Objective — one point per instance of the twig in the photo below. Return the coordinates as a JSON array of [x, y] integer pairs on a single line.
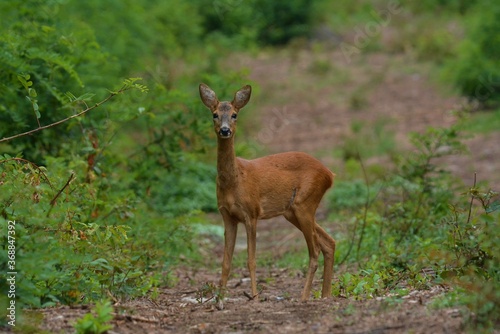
[[367, 205], [249, 296], [356, 223], [40, 128], [53, 201], [33, 164], [134, 318], [471, 199]]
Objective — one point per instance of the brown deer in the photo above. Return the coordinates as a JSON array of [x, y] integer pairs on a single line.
[[289, 184]]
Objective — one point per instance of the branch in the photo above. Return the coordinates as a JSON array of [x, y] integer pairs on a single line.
[[113, 94], [32, 164], [53, 201]]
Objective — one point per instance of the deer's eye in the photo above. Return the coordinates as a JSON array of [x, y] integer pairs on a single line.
[[234, 116], [215, 116]]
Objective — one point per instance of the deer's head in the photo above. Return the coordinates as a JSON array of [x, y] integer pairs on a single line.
[[225, 113]]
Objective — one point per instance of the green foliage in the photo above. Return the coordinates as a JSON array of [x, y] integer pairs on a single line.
[[342, 15], [472, 256], [411, 230], [210, 292], [142, 31], [469, 233], [460, 6], [257, 21], [39, 62], [78, 241], [402, 206], [103, 202], [348, 195], [475, 70], [484, 123], [98, 322], [475, 280], [367, 141], [428, 39], [284, 20], [370, 283]]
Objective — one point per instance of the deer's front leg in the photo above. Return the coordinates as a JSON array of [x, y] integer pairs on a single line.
[[251, 227], [230, 231]]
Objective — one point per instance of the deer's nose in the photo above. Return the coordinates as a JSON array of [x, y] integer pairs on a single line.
[[225, 131]]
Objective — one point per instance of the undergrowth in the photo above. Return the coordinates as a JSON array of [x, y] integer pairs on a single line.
[[416, 227], [77, 242]]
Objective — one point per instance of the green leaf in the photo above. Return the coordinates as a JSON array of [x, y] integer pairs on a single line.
[[32, 92], [24, 79], [85, 97], [493, 207], [101, 263], [36, 109], [71, 96]]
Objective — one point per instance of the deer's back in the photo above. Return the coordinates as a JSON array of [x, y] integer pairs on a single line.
[[281, 180]]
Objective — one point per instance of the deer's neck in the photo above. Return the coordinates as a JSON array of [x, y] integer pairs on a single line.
[[227, 170]]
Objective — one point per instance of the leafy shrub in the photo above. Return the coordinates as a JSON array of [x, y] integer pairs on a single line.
[[80, 242], [264, 22], [38, 65], [281, 21], [50, 227], [103, 203], [476, 68], [430, 40], [473, 259], [98, 323], [348, 195], [367, 141], [460, 6], [412, 229], [143, 31], [401, 206]]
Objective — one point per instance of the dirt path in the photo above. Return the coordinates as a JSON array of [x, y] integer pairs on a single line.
[[177, 310]]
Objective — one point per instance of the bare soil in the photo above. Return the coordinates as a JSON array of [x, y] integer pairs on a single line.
[[177, 310], [307, 101]]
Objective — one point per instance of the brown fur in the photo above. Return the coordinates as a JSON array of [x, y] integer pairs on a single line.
[[290, 184]]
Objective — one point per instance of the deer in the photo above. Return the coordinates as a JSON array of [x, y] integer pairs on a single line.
[[289, 184]]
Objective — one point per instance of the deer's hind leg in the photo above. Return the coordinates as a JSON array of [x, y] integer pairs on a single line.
[[306, 223], [327, 245]]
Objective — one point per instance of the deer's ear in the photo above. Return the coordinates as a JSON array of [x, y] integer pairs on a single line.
[[241, 97], [208, 97]]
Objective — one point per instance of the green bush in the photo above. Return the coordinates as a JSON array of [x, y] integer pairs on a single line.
[[98, 323], [414, 226], [78, 241], [257, 21], [470, 258], [40, 61], [475, 70], [101, 202], [426, 6]]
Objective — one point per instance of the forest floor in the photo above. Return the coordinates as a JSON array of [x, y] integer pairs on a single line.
[[278, 310], [308, 101]]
